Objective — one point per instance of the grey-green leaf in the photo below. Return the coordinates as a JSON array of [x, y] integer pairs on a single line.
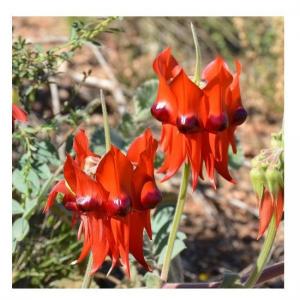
[[18, 181], [16, 208], [20, 229], [179, 246]]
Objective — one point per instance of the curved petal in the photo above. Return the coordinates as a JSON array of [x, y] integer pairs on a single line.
[[166, 68], [81, 148], [136, 229], [190, 105], [173, 144], [115, 172], [60, 187], [18, 113], [265, 213], [218, 79]]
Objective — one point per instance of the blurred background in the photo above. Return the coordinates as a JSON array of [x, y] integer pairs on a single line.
[[220, 225]]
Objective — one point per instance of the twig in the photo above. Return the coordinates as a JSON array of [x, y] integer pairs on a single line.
[[269, 273], [93, 81], [116, 90], [56, 110]]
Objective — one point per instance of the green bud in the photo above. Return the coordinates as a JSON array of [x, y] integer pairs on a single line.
[[258, 180], [277, 140], [274, 180]]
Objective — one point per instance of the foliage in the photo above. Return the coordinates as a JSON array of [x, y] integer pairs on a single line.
[[33, 67]]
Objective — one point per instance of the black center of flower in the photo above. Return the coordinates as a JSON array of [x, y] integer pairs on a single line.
[[188, 124], [151, 199], [217, 123], [119, 206], [239, 116], [160, 112], [87, 203]]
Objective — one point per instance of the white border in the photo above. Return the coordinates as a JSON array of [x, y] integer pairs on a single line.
[[288, 9]]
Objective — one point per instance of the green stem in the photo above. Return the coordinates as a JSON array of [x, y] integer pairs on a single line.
[[197, 74], [87, 280], [176, 221], [264, 254]]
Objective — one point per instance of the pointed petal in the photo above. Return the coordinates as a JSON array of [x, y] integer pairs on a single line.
[[59, 187], [81, 148], [137, 225]]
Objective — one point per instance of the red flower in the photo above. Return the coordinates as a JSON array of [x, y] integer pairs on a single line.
[[18, 114], [111, 196], [267, 207], [198, 123]]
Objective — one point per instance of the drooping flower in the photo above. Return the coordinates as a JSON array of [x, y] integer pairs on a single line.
[[106, 195], [198, 122], [267, 178]]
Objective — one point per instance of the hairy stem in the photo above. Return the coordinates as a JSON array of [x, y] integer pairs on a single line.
[[176, 221], [264, 254], [87, 280]]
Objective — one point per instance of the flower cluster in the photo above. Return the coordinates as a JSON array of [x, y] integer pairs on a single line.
[[267, 177], [112, 197], [198, 121]]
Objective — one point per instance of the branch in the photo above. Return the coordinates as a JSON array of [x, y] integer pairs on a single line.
[[116, 90], [270, 272]]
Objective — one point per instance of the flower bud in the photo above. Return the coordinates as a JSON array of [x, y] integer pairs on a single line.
[[274, 181], [258, 180]]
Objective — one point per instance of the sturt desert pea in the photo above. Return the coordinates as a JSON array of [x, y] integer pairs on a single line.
[[198, 122], [108, 195], [267, 177]]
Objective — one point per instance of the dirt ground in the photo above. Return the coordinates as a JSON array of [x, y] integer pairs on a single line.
[[221, 224]]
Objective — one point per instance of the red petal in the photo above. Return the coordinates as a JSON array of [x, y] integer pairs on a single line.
[[137, 225], [60, 187], [81, 148], [279, 206], [190, 104], [265, 213], [115, 172], [174, 146], [166, 68], [120, 230], [18, 114], [69, 173]]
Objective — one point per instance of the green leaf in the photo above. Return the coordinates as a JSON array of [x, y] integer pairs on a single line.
[[47, 153], [231, 280], [179, 246], [236, 160], [152, 281], [43, 171], [20, 229], [18, 181], [29, 206], [145, 95], [34, 181], [16, 208]]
